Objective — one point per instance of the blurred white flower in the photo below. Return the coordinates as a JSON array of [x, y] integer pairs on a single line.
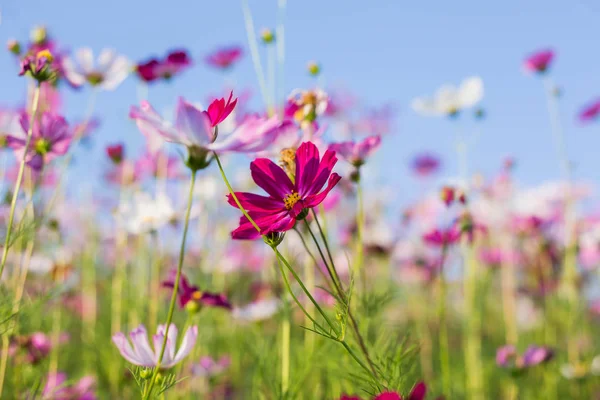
[[143, 213], [256, 311], [449, 100], [111, 70]]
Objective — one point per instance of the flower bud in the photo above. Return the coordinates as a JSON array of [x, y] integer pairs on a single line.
[[192, 306], [274, 239], [267, 35], [115, 152], [447, 195], [38, 34], [313, 68], [14, 47], [146, 374]]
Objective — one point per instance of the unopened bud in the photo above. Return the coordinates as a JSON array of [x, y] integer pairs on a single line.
[[267, 35], [313, 68], [14, 47], [447, 195], [38, 34]]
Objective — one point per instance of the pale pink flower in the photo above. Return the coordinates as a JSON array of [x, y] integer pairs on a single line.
[[356, 153], [539, 61], [111, 70]]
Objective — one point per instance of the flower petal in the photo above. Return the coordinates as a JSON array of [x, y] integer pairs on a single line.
[[271, 178]]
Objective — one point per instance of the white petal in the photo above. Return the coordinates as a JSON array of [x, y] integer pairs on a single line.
[[72, 72], [187, 344], [105, 60], [85, 58], [116, 73], [470, 92], [120, 340]]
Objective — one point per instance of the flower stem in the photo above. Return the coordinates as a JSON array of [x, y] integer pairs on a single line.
[[252, 43], [175, 286], [360, 227], [443, 329], [13, 203]]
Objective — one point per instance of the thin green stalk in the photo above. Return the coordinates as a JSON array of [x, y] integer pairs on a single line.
[[360, 227], [285, 355], [314, 259], [443, 329], [252, 43], [13, 203], [175, 286], [332, 273]]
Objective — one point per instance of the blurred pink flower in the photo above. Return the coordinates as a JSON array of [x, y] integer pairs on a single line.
[[539, 61], [208, 367], [442, 238], [57, 388], [141, 354], [590, 112], [50, 138], [189, 293], [425, 164], [158, 165], [175, 62], [116, 152], [356, 153], [225, 57]]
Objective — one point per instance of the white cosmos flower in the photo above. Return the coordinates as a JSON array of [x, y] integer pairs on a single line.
[[111, 69], [143, 213], [448, 99], [256, 311]]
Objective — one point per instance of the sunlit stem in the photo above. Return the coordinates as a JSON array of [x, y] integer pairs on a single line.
[[360, 227], [154, 282], [253, 44], [285, 354], [175, 286], [15, 195], [280, 45], [335, 277], [443, 328], [271, 76]]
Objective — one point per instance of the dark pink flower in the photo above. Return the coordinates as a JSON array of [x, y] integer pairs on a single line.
[[425, 164], [507, 356], [218, 110], [148, 71], [356, 152], [441, 238], [539, 61], [287, 199], [153, 69], [58, 388], [225, 57], [590, 112], [189, 293], [115, 152], [417, 393], [50, 138]]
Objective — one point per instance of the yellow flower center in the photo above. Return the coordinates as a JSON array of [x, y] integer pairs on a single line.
[[197, 295], [46, 54], [291, 199]]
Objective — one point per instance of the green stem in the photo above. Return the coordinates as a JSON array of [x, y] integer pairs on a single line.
[[360, 227], [175, 286], [13, 203], [443, 333]]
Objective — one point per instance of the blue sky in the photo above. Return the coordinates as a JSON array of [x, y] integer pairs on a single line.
[[385, 51]]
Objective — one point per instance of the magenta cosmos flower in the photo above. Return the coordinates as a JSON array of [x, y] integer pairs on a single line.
[[218, 110], [425, 164], [442, 238], [225, 57], [288, 198], [357, 152], [590, 112], [175, 62], [417, 393], [539, 61], [192, 294], [50, 138], [507, 356], [143, 355]]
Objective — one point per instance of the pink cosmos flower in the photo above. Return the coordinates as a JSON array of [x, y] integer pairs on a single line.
[[218, 110], [590, 112], [287, 200], [57, 388], [50, 138], [44, 178], [158, 165], [175, 62], [425, 165], [441, 238], [356, 152], [417, 393], [539, 61], [188, 293], [193, 128], [225, 57], [141, 354], [507, 356], [209, 367]]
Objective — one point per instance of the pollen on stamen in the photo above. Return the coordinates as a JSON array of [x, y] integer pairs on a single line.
[[291, 199]]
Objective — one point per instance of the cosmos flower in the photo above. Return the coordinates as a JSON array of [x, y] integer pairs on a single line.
[[192, 294], [539, 61], [441, 238], [50, 138], [59, 388], [208, 367], [450, 100], [143, 213], [256, 311], [175, 62], [590, 112], [507, 356], [225, 57], [288, 199], [115, 152], [141, 354], [218, 110], [112, 69], [306, 105], [356, 152], [39, 66], [417, 393], [425, 164]]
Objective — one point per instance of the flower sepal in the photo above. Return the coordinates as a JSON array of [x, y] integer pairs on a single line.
[[197, 158], [274, 239], [303, 214]]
